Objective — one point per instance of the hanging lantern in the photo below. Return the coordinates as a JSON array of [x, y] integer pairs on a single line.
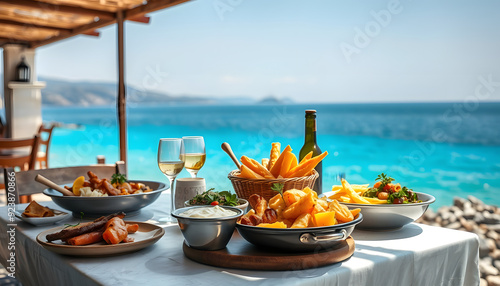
[[23, 71]]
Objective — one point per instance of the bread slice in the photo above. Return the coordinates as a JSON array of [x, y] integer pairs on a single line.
[[36, 210]]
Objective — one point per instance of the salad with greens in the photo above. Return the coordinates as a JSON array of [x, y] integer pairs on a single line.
[[211, 197], [384, 189]]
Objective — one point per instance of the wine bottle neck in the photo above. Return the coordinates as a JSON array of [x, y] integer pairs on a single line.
[[310, 133]]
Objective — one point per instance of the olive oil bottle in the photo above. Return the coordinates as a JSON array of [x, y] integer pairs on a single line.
[[310, 144]]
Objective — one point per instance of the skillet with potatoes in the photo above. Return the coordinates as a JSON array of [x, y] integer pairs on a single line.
[[298, 221], [296, 209]]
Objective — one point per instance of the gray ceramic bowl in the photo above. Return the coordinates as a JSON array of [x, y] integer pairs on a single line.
[[243, 204], [391, 216], [97, 206], [207, 233], [298, 239]]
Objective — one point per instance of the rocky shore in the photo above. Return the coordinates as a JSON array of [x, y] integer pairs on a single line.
[[473, 215]]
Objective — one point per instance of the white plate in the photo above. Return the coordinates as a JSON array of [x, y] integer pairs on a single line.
[[147, 235], [58, 216]]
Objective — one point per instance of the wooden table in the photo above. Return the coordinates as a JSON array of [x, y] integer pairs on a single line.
[[414, 255]]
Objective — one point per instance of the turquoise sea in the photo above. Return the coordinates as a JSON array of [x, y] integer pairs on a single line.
[[444, 149]]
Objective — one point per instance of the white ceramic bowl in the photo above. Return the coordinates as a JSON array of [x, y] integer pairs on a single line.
[[207, 233], [391, 216]]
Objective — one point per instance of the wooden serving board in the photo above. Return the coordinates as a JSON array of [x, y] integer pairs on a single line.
[[241, 254]]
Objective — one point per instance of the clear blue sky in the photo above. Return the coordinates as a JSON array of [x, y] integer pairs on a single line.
[[310, 51]]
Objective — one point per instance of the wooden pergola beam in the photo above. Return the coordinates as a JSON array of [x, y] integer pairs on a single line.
[[35, 23], [80, 30], [151, 6], [141, 19], [92, 33], [4, 41], [21, 24], [60, 8]]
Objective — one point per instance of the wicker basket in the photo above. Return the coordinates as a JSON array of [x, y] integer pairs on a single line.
[[246, 187]]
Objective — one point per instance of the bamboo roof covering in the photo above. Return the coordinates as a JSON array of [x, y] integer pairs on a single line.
[[35, 23]]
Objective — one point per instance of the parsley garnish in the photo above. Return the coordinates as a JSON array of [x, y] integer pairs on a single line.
[[66, 225], [118, 178], [384, 180], [278, 187], [231, 199]]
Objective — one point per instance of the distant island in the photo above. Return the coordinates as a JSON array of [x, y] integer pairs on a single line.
[[271, 99], [83, 93]]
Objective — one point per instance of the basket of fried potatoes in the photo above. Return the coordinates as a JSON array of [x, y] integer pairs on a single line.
[[282, 167]]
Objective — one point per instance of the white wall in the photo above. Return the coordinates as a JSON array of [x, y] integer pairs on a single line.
[[22, 101]]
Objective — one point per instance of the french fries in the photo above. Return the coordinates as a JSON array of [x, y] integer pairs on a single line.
[[286, 165], [304, 205], [275, 154], [248, 173], [256, 167], [302, 221], [292, 196], [306, 166], [265, 162], [280, 164], [354, 196], [296, 209], [348, 193], [275, 170], [342, 213]]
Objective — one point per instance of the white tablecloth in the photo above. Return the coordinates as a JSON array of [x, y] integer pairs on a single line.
[[414, 255]]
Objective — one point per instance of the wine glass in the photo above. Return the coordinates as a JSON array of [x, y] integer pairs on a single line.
[[194, 156], [171, 163]]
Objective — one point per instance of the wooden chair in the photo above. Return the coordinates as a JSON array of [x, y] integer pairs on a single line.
[[23, 183], [20, 153], [45, 134]]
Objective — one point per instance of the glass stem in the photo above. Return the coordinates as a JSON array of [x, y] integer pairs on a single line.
[[172, 194]]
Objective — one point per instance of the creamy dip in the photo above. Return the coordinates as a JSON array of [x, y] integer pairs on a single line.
[[208, 212]]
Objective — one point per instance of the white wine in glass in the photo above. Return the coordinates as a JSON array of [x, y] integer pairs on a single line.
[[194, 161], [194, 156], [170, 162], [172, 168]]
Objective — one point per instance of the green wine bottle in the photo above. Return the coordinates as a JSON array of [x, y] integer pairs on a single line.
[[310, 144]]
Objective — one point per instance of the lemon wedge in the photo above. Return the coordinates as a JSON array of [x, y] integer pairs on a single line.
[[77, 185]]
